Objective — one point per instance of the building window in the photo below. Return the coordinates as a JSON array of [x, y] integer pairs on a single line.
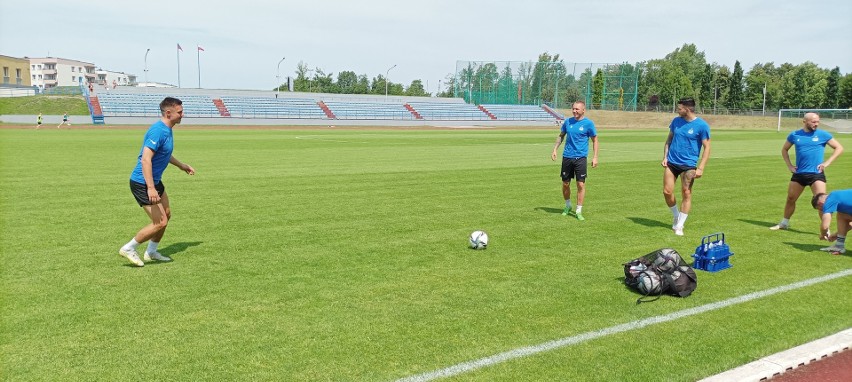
[[5, 71], [39, 76], [39, 66], [34, 76], [73, 78], [17, 73]]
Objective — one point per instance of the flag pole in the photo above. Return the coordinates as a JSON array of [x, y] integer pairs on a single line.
[[198, 51], [178, 63]]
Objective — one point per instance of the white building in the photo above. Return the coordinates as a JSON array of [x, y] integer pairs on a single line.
[[110, 79], [49, 72]]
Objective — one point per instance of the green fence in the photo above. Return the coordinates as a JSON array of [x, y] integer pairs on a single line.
[[557, 84]]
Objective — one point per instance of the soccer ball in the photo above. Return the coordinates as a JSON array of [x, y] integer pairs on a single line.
[[478, 240], [667, 260], [650, 283]]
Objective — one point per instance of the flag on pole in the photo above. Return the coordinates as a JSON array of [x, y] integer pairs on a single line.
[[179, 48], [200, 49]]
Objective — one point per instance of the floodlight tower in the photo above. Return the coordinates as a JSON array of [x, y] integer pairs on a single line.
[[386, 81]]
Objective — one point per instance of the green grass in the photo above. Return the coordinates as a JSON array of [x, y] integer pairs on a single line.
[[341, 255], [45, 104]]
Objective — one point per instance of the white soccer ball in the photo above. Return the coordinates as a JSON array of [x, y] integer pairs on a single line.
[[667, 260], [478, 240], [650, 283]]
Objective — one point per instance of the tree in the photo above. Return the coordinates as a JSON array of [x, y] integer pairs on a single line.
[[735, 88], [691, 62], [347, 81], [416, 89], [845, 92], [832, 89], [597, 90]]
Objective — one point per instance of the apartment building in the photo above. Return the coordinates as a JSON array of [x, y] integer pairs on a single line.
[[16, 72], [111, 79], [49, 72]]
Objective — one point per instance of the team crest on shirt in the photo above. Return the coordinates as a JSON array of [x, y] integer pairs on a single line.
[[581, 129], [690, 131], [815, 139]]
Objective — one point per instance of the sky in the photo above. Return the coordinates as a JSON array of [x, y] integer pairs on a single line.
[[244, 42]]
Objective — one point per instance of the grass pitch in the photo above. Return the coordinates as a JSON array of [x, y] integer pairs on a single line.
[[341, 255]]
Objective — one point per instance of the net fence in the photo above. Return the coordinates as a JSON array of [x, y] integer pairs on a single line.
[[556, 84], [838, 120]]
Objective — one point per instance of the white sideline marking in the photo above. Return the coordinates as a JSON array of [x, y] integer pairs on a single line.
[[555, 344], [327, 140]]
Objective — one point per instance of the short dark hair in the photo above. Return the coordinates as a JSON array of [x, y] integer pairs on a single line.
[[815, 200], [688, 102], [169, 102]]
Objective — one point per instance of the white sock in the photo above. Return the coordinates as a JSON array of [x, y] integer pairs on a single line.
[[132, 244], [675, 212], [784, 222], [841, 242], [681, 219], [568, 204], [152, 246], [579, 208]]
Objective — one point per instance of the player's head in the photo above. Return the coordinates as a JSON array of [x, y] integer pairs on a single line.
[[578, 109], [811, 121], [172, 110], [686, 106], [818, 200]]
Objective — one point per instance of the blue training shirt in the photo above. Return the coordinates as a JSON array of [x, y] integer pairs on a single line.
[[686, 141], [840, 200], [810, 149], [159, 139], [577, 134]]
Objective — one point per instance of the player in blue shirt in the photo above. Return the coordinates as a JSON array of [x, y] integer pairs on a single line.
[[837, 201], [579, 131], [688, 134], [146, 185], [810, 167]]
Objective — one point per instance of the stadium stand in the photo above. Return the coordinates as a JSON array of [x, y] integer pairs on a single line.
[[369, 110], [517, 112], [273, 108], [449, 111], [211, 104]]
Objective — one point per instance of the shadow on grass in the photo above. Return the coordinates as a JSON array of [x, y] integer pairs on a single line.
[[549, 210], [648, 222], [179, 247], [769, 224], [807, 247]]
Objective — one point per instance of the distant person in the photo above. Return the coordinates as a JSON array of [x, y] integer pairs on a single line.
[[146, 182], [837, 201], [579, 131], [38, 121], [809, 170], [688, 134], [64, 120]]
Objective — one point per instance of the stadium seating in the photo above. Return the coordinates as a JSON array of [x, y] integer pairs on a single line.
[[518, 112], [449, 111], [115, 104], [250, 105], [369, 110], [273, 108]]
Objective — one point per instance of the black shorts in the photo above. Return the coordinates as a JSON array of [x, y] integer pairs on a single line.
[[140, 192], [807, 179], [574, 168], [679, 169]]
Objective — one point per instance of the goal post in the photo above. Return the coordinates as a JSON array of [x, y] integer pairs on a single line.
[[838, 119]]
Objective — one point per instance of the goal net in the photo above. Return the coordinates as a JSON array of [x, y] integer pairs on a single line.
[[838, 120]]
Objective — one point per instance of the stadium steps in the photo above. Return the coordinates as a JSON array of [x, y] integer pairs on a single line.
[[97, 112], [552, 112], [326, 110], [488, 113], [413, 112], [223, 110]]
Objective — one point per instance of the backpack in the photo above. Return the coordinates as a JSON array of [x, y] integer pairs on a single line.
[[659, 272]]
